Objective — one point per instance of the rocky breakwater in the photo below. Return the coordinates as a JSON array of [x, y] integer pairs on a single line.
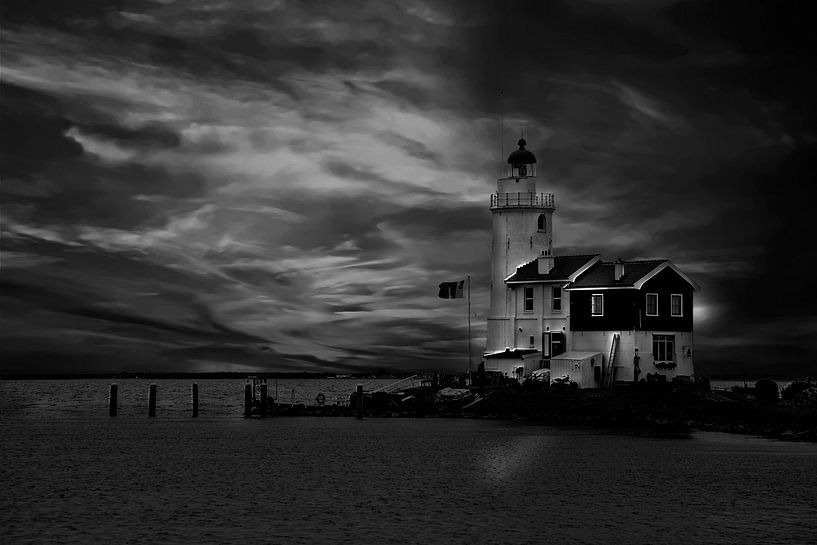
[[670, 407], [756, 411], [759, 410]]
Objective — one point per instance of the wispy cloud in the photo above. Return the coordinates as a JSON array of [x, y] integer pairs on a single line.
[[284, 184]]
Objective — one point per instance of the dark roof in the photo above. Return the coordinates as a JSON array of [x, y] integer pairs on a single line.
[[521, 156], [602, 275], [563, 267]]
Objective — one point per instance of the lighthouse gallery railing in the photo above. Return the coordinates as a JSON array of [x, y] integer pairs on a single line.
[[537, 200]]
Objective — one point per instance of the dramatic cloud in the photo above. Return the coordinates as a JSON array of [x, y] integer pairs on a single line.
[[282, 185]]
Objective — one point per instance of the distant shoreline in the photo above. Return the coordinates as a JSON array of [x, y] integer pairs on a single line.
[[217, 375], [396, 375]]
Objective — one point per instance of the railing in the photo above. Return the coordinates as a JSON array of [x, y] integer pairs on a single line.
[[534, 200], [410, 382]]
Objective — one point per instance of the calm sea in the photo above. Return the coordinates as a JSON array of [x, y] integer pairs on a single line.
[[70, 474]]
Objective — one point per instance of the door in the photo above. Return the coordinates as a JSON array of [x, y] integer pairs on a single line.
[[557, 344]]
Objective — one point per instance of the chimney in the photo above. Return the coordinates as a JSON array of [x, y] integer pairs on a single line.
[[619, 269], [544, 262]]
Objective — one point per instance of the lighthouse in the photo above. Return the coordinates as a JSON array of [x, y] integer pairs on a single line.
[[584, 320], [522, 227]]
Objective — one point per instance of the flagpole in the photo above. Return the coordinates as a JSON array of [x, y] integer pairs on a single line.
[[469, 326]]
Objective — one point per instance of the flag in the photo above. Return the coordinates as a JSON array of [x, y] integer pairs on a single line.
[[452, 290]]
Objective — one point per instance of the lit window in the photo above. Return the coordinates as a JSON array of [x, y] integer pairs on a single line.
[[652, 304], [557, 299], [676, 304], [597, 307], [528, 299], [663, 348]]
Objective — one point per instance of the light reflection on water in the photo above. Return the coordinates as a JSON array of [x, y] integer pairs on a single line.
[[506, 460]]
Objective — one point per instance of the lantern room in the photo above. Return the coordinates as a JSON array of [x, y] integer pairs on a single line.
[[521, 163]]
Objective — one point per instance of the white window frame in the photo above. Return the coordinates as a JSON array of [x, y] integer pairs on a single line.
[[525, 299], [593, 305], [553, 298], [647, 304], [663, 339], [680, 297]]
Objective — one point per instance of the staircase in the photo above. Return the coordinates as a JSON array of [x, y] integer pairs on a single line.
[[402, 384], [609, 376]]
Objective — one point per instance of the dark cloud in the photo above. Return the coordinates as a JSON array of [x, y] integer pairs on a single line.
[[193, 183], [412, 147], [56, 14], [151, 136], [53, 179], [436, 223], [774, 43], [33, 128]]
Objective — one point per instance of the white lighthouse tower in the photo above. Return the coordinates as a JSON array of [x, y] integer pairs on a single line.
[[522, 232]]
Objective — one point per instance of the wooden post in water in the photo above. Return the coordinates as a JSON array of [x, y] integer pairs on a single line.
[[359, 401], [195, 400], [247, 400], [264, 398], [112, 400], [152, 401]]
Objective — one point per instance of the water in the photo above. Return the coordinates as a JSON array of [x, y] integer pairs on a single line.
[[72, 475], [218, 398]]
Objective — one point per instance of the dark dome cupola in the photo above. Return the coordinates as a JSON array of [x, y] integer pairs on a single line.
[[521, 162]]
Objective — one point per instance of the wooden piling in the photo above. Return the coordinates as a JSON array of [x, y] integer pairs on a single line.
[[112, 400], [195, 400], [152, 401], [264, 406], [247, 400], [359, 401]]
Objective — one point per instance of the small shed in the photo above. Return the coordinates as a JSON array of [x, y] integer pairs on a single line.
[[516, 363], [576, 367]]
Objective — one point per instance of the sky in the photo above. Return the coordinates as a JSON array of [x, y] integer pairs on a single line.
[[281, 185]]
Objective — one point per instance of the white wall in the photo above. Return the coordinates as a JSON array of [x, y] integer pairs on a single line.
[[630, 340], [515, 241], [579, 371]]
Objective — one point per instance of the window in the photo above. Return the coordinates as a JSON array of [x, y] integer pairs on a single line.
[[542, 223], [597, 304], [531, 341], [652, 304], [529, 299], [676, 304], [557, 299], [663, 348]]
